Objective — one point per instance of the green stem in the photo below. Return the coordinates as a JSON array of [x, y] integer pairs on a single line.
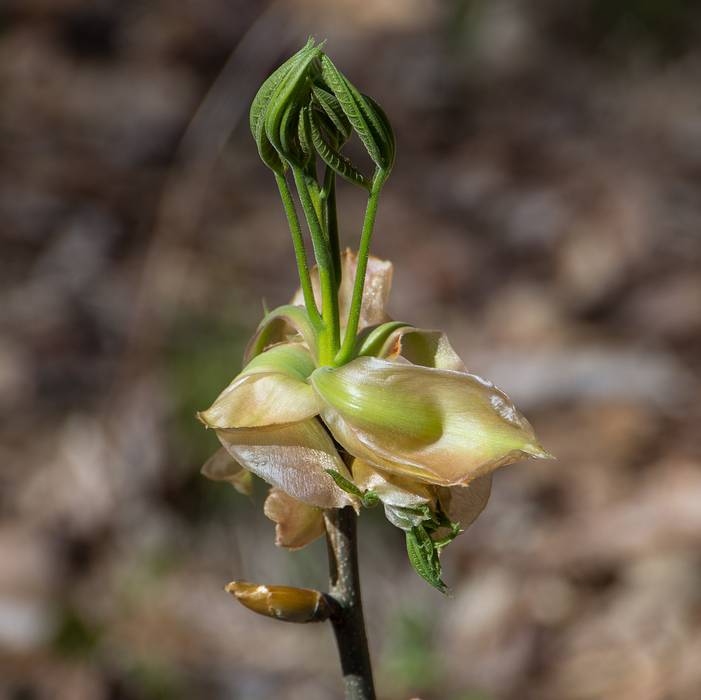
[[347, 620], [300, 251], [346, 351], [329, 338], [332, 223]]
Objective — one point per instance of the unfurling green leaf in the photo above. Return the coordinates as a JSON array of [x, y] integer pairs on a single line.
[[425, 540], [265, 92], [282, 109], [333, 110], [378, 117], [343, 483], [423, 555], [442, 529], [367, 498], [367, 123], [304, 134], [335, 159], [260, 105], [370, 499]]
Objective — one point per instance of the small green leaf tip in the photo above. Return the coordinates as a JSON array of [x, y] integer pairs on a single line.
[[368, 499], [343, 483], [259, 110], [424, 542], [423, 555]]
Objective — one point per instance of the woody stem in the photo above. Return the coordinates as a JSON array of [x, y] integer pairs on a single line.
[[348, 622]]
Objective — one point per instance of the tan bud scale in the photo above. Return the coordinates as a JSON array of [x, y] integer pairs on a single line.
[[282, 602]]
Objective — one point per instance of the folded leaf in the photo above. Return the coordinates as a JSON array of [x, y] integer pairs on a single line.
[[260, 106], [290, 93], [333, 111], [294, 458], [296, 523], [368, 121], [335, 160], [423, 556], [437, 426]]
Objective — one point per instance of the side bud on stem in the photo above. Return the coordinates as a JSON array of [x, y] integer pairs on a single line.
[[283, 602]]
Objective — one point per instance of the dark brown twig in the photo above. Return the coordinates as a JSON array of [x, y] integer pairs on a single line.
[[348, 622]]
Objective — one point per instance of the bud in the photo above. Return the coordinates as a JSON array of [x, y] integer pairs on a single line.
[[282, 602], [308, 107]]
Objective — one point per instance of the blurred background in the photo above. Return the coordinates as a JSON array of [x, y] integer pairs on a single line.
[[545, 210]]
